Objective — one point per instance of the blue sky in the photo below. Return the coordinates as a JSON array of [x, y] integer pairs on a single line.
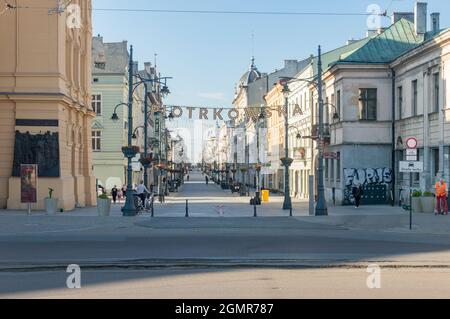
[[207, 54]]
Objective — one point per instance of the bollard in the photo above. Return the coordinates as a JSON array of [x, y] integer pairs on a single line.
[[153, 206], [187, 208], [290, 212], [254, 211]]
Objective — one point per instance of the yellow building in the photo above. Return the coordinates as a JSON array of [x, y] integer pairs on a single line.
[[45, 109]]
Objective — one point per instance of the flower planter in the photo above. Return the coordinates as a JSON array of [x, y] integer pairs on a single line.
[[103, 207], [416, 205], [51, 205], [428, 204]]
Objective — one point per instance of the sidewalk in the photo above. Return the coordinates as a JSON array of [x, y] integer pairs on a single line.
[[210, 201]]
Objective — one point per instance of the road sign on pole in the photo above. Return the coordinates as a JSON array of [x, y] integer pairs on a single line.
[[411, 167], [411, 143]]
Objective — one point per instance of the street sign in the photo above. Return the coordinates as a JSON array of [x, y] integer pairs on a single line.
[[411, 152], [411, 143], [411, 167], [411, 158]]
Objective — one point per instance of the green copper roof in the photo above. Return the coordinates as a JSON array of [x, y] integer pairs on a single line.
[[331, 57], [398, 39]]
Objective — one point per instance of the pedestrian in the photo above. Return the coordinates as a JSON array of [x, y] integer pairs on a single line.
[[114, 193], [207, 180], [358, 193], [188, 178], [124, 192], [441, 198]]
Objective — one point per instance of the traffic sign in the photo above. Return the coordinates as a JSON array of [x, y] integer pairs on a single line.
[[411, 143], [411, 152], [412, 158], [411, 167]]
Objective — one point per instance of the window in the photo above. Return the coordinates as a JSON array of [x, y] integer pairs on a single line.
[[327, 111], [338, 103], [100, 65], [400, 102], [436, 168], [326, 169], [436, 92], [97, 104], [414, 98], [332, 170], [96, 140], [368, 104]]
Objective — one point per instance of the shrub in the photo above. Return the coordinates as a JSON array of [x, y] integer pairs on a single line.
[[416, 193], [427, 194], [103, 196]]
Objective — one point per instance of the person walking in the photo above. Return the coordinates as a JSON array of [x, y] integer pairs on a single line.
[[114, 192], [124, 192], [441, 198], [358, 193]]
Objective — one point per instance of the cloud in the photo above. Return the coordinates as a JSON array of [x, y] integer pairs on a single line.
[[213, 95]]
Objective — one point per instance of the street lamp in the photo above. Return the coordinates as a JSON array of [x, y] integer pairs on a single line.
[[321, 207], [130, 151], [287, 162]]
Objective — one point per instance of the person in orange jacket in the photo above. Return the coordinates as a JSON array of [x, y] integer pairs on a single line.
[[441, 198]]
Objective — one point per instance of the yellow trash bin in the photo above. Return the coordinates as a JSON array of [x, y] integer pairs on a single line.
[[265, 196]]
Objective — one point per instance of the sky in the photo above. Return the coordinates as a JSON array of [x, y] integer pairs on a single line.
[[206, 54]]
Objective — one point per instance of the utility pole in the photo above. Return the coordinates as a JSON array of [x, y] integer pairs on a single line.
[[146, 134], [321, 208]]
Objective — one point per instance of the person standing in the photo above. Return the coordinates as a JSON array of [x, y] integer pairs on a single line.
[[441, 198], [114, 193], [358, 193], [207, 180]]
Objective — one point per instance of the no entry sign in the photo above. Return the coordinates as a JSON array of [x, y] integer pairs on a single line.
[[411, 143]]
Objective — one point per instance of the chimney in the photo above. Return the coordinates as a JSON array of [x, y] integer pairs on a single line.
[[435, 22], [420, 17], [147, 67], [397, 16]]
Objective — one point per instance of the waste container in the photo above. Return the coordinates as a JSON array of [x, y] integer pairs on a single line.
[[265, 195]]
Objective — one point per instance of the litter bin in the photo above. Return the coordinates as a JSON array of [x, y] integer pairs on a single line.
[[265, 195]]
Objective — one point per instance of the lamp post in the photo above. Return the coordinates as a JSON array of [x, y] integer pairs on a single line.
[[130, 151], [321, 207], [287, 162]]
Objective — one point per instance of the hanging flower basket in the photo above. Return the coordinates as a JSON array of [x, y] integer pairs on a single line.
[[130, 151], [258, 167], [146, 161], [243, 169]]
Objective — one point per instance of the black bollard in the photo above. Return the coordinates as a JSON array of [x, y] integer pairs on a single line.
[[153, 206], [254, 210], [290, 212], [187, 208]]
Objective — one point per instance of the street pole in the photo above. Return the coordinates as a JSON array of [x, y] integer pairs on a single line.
[[146, 134], [128, 209], [287, 205], [321, 208]]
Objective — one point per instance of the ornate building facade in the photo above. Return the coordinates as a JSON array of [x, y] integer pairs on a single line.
[[45, 102]]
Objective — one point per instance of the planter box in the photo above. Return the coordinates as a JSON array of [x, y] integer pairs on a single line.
[[428, 204], [103, 207], [416, 205], [51, 206]]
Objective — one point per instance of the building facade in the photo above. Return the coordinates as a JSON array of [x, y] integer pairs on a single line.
[[45, 104], [109, 88]]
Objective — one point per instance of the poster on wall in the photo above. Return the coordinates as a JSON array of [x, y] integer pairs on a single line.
[[28, 183]]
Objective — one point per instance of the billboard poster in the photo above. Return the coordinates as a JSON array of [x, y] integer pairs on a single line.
[[28, 183]]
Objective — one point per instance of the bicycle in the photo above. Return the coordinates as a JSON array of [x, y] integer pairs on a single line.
[[146, 206], [402, 200]]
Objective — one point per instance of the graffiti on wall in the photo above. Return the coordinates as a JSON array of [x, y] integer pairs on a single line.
[[365, 177]]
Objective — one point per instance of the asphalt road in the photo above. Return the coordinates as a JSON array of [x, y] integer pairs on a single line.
[[230, 284], [215, 258]]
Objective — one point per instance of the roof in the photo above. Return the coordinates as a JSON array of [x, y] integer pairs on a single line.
[[329, 58], [386, 47], [251, 75], [114, 56]]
